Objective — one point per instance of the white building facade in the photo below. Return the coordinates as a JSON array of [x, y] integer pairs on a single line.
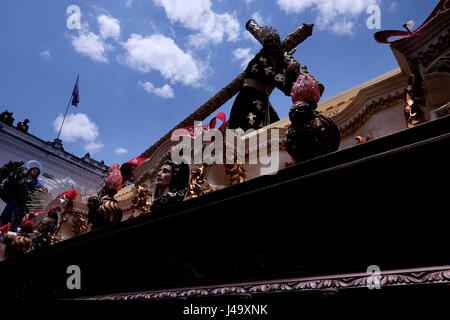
[[18, 145]]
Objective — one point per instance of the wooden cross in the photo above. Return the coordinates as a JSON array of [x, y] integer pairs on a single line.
[[227, 92]]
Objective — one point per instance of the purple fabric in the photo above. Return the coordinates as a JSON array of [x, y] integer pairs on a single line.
[[75, 95]]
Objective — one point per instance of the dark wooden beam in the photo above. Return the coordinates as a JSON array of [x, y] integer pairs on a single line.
[[227, 92]]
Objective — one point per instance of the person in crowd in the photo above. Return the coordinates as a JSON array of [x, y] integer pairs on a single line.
[[19, 189]]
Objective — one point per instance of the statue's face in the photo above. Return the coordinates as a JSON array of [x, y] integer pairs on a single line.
[[46, 224], [164, 176], [34, 173]]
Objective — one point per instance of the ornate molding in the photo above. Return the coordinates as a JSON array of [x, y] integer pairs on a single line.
[[433, 51], [415, 100], [430, 41], [141, 200], [236, 172], [369, 109], [346, 281]]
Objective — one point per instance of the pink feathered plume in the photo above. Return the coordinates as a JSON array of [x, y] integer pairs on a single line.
[[305, 89], [114, 179]]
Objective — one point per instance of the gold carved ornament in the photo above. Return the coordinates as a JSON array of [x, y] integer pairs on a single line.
[[80, 223], [415, 101], [141, 200], [236, 172], [362, 139], [198, 185]]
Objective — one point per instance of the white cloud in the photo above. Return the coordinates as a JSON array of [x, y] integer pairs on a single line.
[[295, 5], [393, 6], [165, 91], [109, 27], [243, 54], [89, 44], [93, 147], [337, 15], [129, 4], [78, 126], [249, 1], [197, 15], [121, 150], [258, 18], [343, 28], [46, 54], [160, 53], [94, 46]]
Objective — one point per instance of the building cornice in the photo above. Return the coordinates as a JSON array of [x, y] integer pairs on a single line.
[[48, 147], [426, 46]]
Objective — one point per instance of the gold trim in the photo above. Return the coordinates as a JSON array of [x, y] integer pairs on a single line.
[[236, 172], [198, 184], [80, 223], [141, 200]]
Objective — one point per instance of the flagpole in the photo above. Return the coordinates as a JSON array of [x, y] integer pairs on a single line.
[[67, 109]]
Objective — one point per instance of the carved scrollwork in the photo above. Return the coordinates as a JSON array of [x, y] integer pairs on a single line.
[[442, 275], [362, 139], [332, 283], [398, 279], [80, 223], [370, 109], [236, 172], [141, 200], [198, 184], [415, 101], [103, 211], [433, 51]]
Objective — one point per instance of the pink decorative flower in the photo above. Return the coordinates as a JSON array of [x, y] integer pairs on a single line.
[[304, 89], [114, 179]]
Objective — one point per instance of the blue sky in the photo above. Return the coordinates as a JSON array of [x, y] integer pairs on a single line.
[[145, 65]]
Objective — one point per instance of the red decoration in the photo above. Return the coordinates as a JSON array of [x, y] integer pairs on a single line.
[[194, 131], [71, 195], [28, 220], [5, 228], [384, 35], [127, 168]]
